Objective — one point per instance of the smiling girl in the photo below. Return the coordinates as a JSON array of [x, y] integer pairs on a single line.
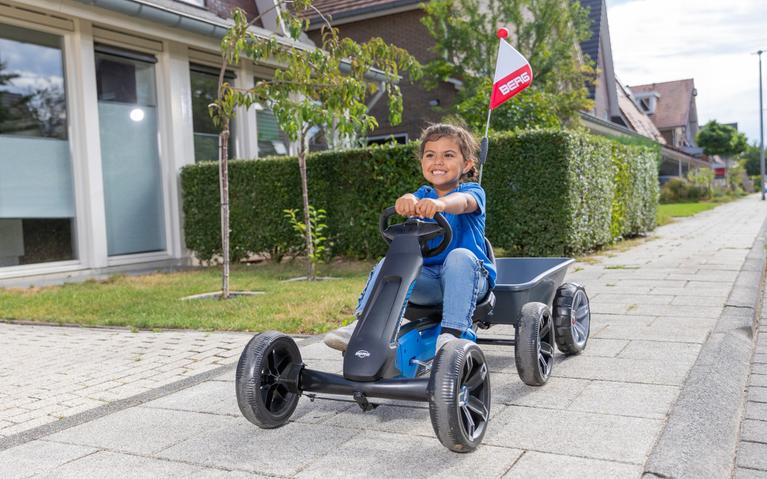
[[463, 272]]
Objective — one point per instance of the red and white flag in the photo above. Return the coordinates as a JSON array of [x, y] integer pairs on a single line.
[[512, 72]]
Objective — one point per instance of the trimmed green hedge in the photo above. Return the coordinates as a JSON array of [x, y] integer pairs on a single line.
[[549, 193]]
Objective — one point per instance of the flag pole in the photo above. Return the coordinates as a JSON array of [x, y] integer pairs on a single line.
[[484, 145]]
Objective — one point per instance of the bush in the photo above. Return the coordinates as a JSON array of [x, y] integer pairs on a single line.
[[549, 193], [679, 190]]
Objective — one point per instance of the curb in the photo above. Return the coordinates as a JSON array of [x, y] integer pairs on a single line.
[[702, 430]]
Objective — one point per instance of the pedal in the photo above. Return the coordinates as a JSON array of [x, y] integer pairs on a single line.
[[423, 367], [363, 402]]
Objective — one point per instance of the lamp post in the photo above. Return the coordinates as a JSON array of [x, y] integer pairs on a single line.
[[761, 126]]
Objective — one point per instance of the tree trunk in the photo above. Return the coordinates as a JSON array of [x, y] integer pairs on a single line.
[[223, 175], [310, 272]]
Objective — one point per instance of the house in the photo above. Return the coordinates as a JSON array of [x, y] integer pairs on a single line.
[[397, 22], [101, 103], [671, 106]]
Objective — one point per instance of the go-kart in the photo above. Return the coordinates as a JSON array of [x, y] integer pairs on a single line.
[[391, 360]]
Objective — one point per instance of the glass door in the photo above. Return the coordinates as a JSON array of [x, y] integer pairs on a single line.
[[130, 159]]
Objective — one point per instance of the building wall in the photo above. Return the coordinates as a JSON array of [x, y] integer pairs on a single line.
[[223, 8], [405, 31], [81, 27]]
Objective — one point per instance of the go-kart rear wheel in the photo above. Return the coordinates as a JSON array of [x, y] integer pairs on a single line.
[[534, 349], [572, 318], [262, 395], [459, 395]]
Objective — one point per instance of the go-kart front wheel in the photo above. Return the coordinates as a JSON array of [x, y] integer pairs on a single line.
[[459, 395], [265, 363]]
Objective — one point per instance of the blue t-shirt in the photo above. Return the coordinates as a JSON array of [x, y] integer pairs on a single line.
[[468, 228]]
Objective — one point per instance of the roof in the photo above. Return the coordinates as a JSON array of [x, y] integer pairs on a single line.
[[674, 104], [637, 119], [340, 9]]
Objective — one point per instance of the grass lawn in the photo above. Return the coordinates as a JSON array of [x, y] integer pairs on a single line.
[[667, 212], [154, 301]]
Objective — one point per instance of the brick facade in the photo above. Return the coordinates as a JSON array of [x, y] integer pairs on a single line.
[[406, 31]]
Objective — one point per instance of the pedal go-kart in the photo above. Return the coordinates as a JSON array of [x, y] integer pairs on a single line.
[[388, 360]]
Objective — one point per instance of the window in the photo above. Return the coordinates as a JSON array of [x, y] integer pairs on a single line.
[[198, 3], [37, 210], [398, 138], [204, 86], [130, 159]]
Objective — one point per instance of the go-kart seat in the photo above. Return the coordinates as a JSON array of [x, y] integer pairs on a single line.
[[433, 312]]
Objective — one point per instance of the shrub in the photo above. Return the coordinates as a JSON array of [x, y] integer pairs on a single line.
[[549, 193]]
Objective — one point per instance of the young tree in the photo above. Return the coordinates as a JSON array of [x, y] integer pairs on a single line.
[[719, 139], [546, 32], [324, 86]]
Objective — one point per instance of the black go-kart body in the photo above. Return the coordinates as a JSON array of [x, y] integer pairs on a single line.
[[386, 359]]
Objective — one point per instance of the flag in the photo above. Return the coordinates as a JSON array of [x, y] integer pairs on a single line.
[[512, 72]]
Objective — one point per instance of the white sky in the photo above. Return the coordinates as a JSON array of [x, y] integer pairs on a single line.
[[710, 41]]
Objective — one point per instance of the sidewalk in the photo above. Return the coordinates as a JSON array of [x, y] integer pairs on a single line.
[[601, 415]]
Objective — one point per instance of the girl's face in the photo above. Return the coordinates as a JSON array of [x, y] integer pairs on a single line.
[[443, 163]]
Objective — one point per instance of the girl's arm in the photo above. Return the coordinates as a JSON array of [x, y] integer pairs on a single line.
[[454, 203]]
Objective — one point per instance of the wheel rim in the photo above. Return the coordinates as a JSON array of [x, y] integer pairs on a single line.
[[273, 393], [545, 345], [473, 395], [580, 319]]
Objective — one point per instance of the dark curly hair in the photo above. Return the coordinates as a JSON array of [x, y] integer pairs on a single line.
[[466, 142]]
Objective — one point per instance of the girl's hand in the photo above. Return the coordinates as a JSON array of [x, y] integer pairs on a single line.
[[405, 205], [427, 207]]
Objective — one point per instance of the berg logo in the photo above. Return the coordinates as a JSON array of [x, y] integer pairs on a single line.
[[514, 83], [362, 354]]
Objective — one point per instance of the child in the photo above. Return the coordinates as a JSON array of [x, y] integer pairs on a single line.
[[463, 272]]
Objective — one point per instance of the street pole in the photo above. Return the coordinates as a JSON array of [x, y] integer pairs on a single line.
[[761, 126]]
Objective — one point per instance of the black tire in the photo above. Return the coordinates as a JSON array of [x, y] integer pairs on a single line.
[[572, 318], [459, 395], [262, 398], [534, 349]]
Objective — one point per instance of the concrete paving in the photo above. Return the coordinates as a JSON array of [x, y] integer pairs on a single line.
[[601, 414]]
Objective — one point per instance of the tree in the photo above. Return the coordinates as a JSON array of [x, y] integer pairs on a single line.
[[750, 160], [325, 86], [546, 32], [723, 140]]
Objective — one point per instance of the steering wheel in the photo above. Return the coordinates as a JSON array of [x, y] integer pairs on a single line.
[[423, 230]]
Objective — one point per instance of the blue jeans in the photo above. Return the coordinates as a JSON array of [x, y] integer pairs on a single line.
[[458, 283]]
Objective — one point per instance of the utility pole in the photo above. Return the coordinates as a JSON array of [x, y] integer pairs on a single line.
[[761, 125]]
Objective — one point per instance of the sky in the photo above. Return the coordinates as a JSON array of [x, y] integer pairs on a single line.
[[711, 41]]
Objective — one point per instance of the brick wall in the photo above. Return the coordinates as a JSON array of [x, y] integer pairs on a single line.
[[222, 8], [405, 31]]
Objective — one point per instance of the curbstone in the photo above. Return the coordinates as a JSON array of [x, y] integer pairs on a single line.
[[701, 435]]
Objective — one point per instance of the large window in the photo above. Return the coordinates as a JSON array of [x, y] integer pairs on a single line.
[[204, 86], [130, 160], [37, 212]]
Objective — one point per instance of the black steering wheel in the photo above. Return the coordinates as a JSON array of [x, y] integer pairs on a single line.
[[423, 230]]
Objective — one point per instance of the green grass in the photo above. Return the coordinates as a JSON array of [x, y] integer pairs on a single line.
[[667, 212], [154, 301]]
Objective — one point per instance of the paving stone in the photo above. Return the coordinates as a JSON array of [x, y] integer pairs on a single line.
[[759, 368], [597, 436], [756, 410], [604, 347], [752, 455], [389, 418], [379, 454], [538, 465], [742, 473], [757, 394], [660, 350], [753, 430], [649, 371], [630, 298], [139, 430], [699, 301], [240, 445], [38, 457], [558, 393], [759, 380], [110, 465], [678, 330], [641, 400]]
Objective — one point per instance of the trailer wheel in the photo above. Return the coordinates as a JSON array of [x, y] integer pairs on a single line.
[[265, 363], [459, 395], [572, 318], [534, 351]]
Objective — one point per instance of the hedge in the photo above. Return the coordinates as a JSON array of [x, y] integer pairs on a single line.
[[549, 193]]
